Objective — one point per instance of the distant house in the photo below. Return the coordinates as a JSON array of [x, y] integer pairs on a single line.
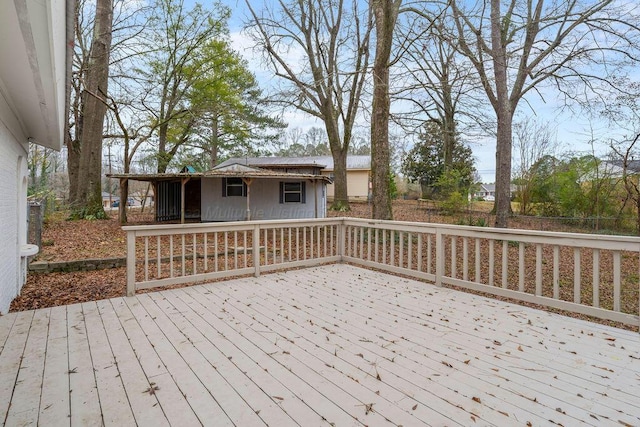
[[36, 43], [358, 170], [488, 192], [235, 193]]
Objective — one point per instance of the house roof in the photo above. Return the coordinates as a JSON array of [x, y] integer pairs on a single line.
[[36, 44], [325, 162], [230, 171]]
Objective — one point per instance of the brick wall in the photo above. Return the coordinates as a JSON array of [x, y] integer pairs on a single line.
[[12, 207]]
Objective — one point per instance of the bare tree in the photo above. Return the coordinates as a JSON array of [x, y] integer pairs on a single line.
[[517, 46], [385, 15], [437, 81], [532, 141], [331, 39]]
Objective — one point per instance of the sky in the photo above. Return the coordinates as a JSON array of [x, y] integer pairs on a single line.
[[573, 131]]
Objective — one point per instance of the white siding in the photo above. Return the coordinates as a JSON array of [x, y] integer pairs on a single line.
[[13, 212], [264, 199], [357, 185]]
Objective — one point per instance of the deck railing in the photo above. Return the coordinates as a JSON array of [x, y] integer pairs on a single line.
[[589, 274]]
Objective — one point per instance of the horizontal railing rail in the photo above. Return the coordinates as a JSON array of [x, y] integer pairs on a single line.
[[594, 275]]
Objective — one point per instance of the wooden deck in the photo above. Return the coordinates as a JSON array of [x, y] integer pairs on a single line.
[[332, 345]]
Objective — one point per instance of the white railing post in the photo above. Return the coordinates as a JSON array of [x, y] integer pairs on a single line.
[[342, 237], [439, 256], [131, 263], [256, 250]]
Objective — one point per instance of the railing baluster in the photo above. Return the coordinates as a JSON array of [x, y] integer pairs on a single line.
[[215, 251], [505, 263], [429, 251], [401, 249], [369, 244], [556, 272], [158, 257], [392, 237], [266, 246], [377, 244], [226, 251], [361, 254], [596, 277], [195, 253], [521, 267], [616, 280], [332, 248], [492, 261], [282, 245], [205, 242], [171, 255], [465, 258], [324, 235], [290, 242], [478, 278], [384, 246], [297, 243], [235, 250], [146, 258], [419, 262], [275, 246], [246, 261], [183, 253], [409, 250], [454, 256], [538, 269], [576, 275], [304, 242]]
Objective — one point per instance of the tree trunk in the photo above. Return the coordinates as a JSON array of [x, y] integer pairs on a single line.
[[340, 197], [162, 147], [94, 107], [124, 198], [385, 14], [504, 115], [213, 144], [73, 168]]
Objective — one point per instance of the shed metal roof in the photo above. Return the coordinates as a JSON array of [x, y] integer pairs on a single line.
[[326, 162], [229, 171]]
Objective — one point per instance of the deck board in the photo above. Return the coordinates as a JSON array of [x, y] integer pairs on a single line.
[[331, 345]]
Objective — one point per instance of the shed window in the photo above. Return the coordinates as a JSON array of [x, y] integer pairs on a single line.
[[292, 192], [233, 187]]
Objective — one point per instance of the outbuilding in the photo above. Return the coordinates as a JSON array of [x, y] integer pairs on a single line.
[[235, 193]]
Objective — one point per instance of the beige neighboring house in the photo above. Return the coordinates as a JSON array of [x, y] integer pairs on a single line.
[[358, 170], [36, 46]]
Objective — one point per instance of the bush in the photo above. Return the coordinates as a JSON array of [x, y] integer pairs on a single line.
[[454, 203]]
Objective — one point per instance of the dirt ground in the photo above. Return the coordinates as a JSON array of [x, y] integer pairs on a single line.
[[71, 240]]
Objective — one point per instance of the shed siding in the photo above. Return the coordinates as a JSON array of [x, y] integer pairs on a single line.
[[264, 199], [357, 185]]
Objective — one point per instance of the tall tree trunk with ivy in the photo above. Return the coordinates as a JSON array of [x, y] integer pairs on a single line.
[[385, 14], [88, 195]]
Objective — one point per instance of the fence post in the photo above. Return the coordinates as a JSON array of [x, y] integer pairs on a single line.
[[131, 263], [256, 250], [439, 256]]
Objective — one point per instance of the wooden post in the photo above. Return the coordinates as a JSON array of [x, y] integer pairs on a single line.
[[182, 197], [131, 263], [247, 181]]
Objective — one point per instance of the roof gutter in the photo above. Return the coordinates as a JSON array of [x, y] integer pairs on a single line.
[[70, 43]]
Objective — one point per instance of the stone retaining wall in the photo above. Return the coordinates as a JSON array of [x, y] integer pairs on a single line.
[[77, 265]]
